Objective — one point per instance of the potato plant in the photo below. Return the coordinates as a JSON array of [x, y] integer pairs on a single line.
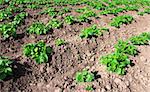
[[89, 88], [52, 12], [5, 14], [20, 18], [84, 76], [126, 48], [120, 20], [38, 28], [54, 23], [60, 42], [90, 32], [142, 39], [5, 67], [8, 30], [114, 11], [37, 51], [70, 19], [116, 62]]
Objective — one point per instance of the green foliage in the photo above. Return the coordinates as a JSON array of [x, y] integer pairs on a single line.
[[50, 11], [5, 67], [146, 11], [7, 30], [131, 8], [69, 19], [84, 76], [38, 51], [89, 88], [38, 28], [33, 6], [105, 29], [90, 14], [90, 32], [4, 1], [20, 18], [116, 62], [64, 11], [81, 10], [60, 42], [5, 14], [125, 47], [114, 11], [82, 18], [142, 39], [120, 20], [55, 23]]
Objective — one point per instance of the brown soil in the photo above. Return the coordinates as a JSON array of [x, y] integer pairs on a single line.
[[58, 74]]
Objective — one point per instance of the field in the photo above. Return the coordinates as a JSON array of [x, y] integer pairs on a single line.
[[74, 45]]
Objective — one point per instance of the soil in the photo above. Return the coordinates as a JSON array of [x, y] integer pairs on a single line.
[[58, 74]]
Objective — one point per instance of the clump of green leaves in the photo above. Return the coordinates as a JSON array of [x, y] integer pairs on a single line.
[[131, 8], [116, 62], [120, 20], [69, 19], [60, 42], [89, 88], [142, 39], [114, 11], [146, 11], [37, 51], [90, 14], [5, 67], [81, 10], [5, 14], [20, 18], [8, 30], [82, 18], [84, 76], [50, 11], [55, 23], [90, 32], [126, 47], [38, 28], [33, 6], [64, 11]]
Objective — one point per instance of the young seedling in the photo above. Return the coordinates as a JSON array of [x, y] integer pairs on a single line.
[[60, 42], [84, 76], [90, 32], [37, 51], [5, 67]]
